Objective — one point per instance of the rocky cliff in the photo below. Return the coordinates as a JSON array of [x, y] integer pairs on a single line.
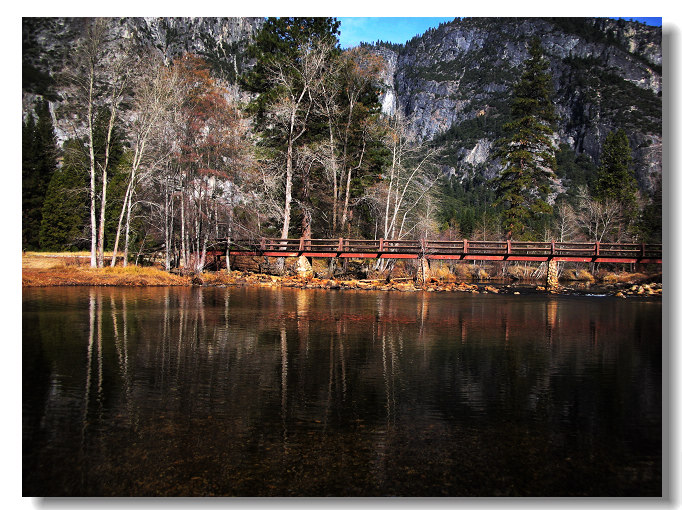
[[47, 41], [455, 82]]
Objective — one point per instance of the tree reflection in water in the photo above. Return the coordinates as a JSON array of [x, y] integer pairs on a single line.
[[275, 392]]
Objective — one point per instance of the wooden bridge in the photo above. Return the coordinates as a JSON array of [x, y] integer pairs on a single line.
[[447, 250]]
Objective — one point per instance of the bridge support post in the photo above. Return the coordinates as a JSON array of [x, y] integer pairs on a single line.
[[304, 268], [331, 268], [552, 274], [423, 271]]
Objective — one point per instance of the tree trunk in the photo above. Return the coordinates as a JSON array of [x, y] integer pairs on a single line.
[[168, 225], [103, 205], [332, 157], [344, 218], [120, 223], [288, 190], [127, 238], [105, 167], [183, 242], [93, 190]]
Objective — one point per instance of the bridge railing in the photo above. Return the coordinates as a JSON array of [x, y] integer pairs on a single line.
[[319, 245], [619, 249], [486, 247], [575, 249], [530, 248], [654, 251], [402, 246], [460, 247], [362, 245], [269, 244], [444, 247]]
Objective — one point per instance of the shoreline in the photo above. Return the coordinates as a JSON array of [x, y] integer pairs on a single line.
[[635, 286]]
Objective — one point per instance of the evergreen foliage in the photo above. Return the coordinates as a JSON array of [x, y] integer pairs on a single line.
[[528, 151], [319, 127], [575, 171], [652, 218], [582, 27], [593, 86], [279, 40], [39, 161], [65, 212], [467, 203], [615, 178]]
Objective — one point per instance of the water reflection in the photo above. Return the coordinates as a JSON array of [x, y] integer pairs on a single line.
[[249, 391]]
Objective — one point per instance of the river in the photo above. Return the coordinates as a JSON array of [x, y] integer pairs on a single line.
[[285, 392]]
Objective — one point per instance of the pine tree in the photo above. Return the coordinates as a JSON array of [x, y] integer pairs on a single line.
[[616, 181], [28, 185], [615, 178], [652, 217], [65, 213], [528, 153], [39, 161]]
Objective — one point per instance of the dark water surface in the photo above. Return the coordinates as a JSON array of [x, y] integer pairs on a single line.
[[279, 392]]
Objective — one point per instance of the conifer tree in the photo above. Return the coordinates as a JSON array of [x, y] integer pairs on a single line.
[[528, 153], [615, 178], [39, 161], [28, 173], [65, 212]]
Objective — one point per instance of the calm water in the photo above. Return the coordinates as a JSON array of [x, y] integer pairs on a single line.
[[278, 392]]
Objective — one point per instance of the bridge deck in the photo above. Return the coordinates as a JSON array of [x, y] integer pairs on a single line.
[[448, 250]]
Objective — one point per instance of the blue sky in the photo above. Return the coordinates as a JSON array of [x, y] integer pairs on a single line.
[[397, 30], [401, 30]]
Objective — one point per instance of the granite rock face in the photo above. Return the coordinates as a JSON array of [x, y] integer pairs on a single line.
[[453, 82], [606, 75], [47, 42]]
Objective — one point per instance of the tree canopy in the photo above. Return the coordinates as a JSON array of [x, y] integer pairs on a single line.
[[528, 151]]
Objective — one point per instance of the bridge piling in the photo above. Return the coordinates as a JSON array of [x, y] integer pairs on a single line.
[[423, 271], [552, 274], [303, 267]]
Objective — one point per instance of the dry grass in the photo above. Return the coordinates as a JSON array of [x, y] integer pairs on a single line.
[[577, 275], [44, 271], [519, 272], [442, 273], [482, 274], [584, 276], [464, 271], [51, 260], [63, 269], [611, 278]]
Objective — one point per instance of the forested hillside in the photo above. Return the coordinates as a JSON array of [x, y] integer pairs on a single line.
[[164, 135]]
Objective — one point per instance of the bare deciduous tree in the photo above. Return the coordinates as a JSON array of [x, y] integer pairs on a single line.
[[156, 92], [297, 78], [96, 78], [599, 220]]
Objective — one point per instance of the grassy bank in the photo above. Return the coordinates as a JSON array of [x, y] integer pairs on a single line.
[[55, 269]]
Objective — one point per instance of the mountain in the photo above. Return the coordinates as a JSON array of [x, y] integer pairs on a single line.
[[454, 83], [47, 41]]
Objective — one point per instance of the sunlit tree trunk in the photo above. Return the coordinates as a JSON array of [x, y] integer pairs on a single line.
[[127, 236]]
